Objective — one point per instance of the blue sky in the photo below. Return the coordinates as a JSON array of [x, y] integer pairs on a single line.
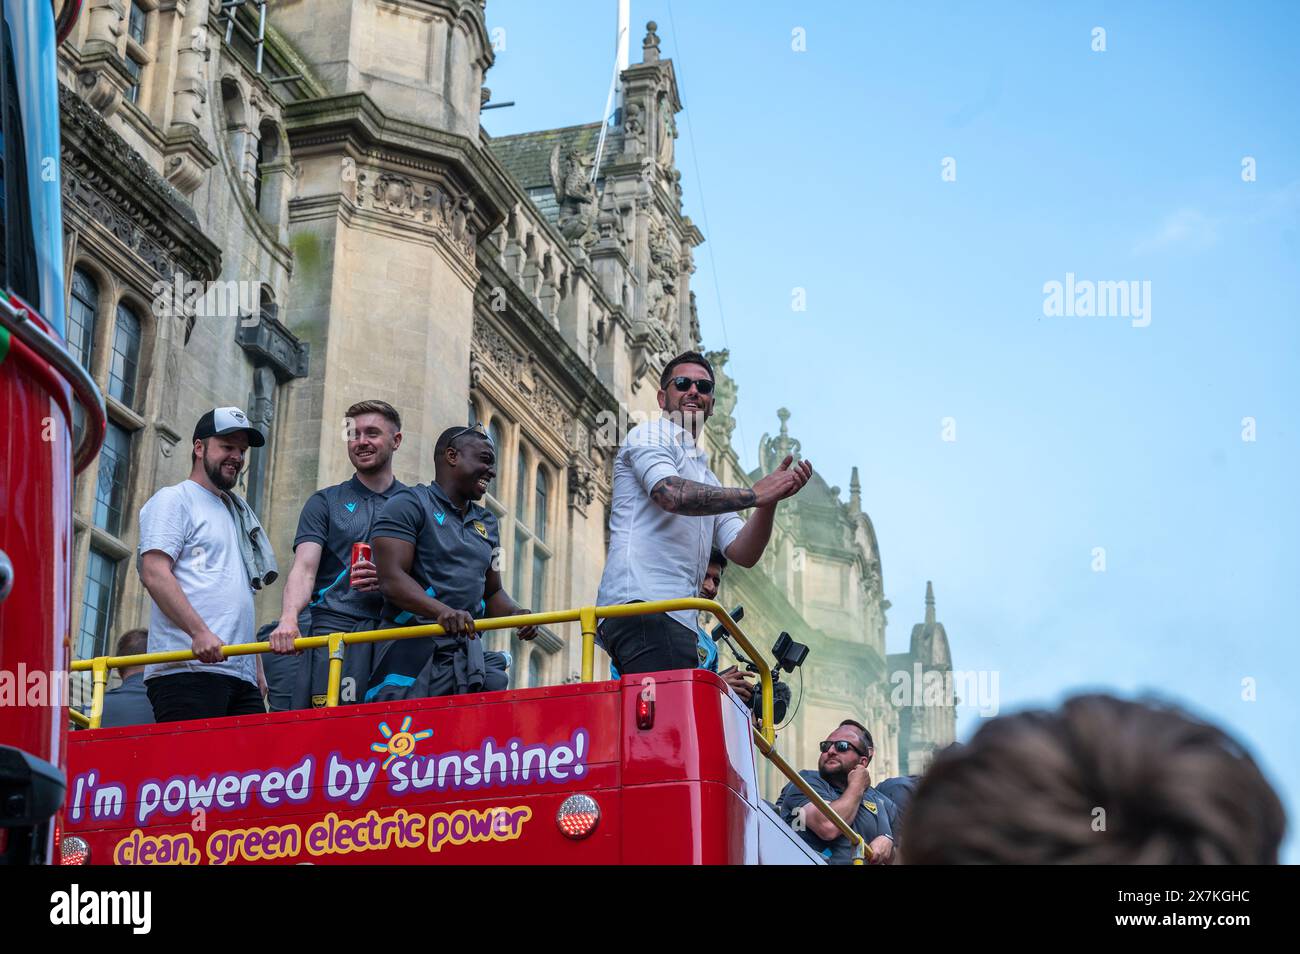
[[821, 170]]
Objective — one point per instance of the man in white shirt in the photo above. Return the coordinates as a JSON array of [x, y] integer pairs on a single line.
[[668, 513], [191, 563]]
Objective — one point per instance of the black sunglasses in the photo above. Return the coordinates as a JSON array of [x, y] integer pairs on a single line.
[[683, 384], [472, 429], [840, 746]]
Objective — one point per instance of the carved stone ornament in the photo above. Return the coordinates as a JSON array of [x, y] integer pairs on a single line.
[[520, 372], [582, 486], [667, 131], [633, 129], [773, 450], [398, 195], [611, 230], [661, 295], [108, 182], [575, 194], [836, 681]]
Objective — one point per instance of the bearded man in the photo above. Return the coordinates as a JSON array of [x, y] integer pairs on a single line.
[[202, 554]]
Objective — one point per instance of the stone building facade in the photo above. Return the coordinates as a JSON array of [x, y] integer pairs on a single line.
[[356, 234]]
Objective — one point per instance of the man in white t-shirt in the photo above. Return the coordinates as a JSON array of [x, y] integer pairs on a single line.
[[191, 563], [668, 513]]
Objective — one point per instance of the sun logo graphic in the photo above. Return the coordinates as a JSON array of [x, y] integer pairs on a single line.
[[399, 744]]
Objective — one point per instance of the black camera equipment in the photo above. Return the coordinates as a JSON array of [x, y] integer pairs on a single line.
[[789, 655]]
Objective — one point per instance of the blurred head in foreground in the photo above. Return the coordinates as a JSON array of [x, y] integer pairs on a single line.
[[1099, 781]]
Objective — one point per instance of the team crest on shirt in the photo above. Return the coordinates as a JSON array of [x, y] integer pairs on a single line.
[[870, 806], [482, 530], [702, 653], [352, 507], [440, 517]]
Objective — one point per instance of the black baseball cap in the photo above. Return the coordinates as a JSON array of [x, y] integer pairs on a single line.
[[227, 420]]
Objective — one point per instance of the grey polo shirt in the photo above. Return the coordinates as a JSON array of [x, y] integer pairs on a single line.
[[337, 517], [453, 551], [128, 704], [871, 821]]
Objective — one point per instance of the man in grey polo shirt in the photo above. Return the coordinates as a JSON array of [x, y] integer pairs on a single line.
[[128, 704], [844, 781], [437, 556], [343, 596], [668, 512]]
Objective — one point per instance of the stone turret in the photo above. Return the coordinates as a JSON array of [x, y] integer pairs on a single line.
[[392, 195], [773, 450], [642, 194], [424, 60], [928, 719]]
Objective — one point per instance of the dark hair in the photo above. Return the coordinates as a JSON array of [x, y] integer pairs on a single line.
[[133, 642], [716, 557], [686, 357], [455, 437], [376, 407], [864, 735], [1100, 780]]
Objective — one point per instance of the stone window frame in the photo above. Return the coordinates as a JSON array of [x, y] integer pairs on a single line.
[[261, 178], [526, 526], [141, 55], [85, 349], [113, 292], [100, 640], [270, 149], [132, 8], [512, 446], [124, 387]]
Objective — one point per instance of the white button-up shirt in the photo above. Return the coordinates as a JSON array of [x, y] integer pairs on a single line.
[[654, 554]]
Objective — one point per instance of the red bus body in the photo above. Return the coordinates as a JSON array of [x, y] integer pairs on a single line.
[[38, 379], [474, 779]]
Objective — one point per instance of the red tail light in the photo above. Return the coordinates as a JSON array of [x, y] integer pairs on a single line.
[[645, 712], [578, 816], [74, 851]]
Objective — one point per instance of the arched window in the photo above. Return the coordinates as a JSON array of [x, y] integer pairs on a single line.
[[82, 316], [266, 303], [232, 104], [126, 356], [268, 149], [535, 668]]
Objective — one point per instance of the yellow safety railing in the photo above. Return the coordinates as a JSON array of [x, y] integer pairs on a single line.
[[764, 732]]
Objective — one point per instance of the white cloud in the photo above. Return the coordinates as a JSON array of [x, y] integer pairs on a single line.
[[1188, 228]]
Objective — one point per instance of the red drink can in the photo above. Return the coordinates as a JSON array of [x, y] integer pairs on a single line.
[[360, 551]]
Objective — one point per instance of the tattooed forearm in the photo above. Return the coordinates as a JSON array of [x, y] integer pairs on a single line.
[[693, 499]]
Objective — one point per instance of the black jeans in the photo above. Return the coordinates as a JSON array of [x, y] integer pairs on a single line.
[[650, 643], [302, 681], [179, 696]]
